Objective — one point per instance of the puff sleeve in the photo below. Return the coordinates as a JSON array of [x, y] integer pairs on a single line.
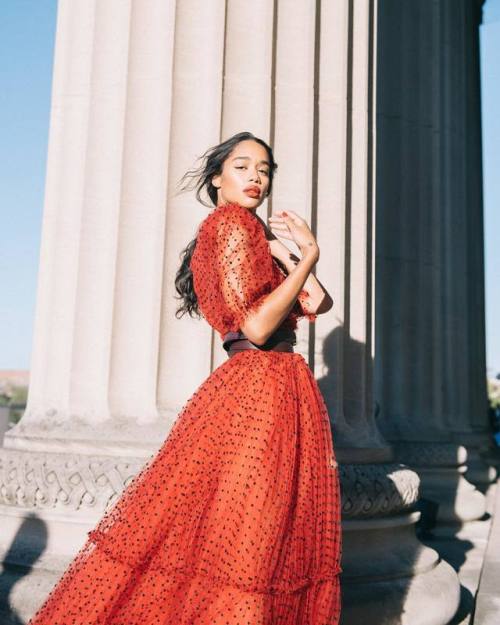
[[243, 265], [299, 309], [232, 267]]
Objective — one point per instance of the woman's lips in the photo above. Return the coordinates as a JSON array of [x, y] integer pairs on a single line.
[[252, 192]]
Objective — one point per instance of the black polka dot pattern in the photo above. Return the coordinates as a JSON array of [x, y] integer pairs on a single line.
[[236, 519]]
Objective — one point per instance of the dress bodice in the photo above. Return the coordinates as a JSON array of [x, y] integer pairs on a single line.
[[234, 271]]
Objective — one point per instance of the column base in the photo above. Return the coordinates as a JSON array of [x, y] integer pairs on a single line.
[[387, 573], [492, 457], [480, 472], [389, 576], [115, 437], [441, 468], [63, 483]]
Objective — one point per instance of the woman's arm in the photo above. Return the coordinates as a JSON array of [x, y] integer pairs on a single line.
[[319, 300], [260, 324]]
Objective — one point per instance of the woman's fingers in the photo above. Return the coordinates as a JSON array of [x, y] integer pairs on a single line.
[[279, 226], [279, 223], [284, 216], [291, 226], [283, 233], [281, 230]]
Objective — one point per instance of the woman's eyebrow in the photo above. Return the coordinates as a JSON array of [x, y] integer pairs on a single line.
[[247, 157]]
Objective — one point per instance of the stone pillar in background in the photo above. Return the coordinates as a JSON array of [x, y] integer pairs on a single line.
[[93, 416], [421, 370], [248, 91], [95, 352], [195, 118], [387, 572], [469, 420]]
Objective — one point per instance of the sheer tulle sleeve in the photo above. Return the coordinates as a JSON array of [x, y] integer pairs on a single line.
[[243, 265], [302, 306], [231, 266], [234, 271]]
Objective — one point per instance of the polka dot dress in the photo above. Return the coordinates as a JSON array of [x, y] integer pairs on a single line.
[[236, 519]]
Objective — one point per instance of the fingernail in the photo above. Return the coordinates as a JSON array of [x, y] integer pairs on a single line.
[[285, 214]]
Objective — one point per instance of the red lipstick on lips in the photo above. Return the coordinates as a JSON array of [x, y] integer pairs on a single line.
[[252, 191]]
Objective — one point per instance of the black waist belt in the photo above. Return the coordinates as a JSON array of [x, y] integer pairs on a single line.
[[280, 341]]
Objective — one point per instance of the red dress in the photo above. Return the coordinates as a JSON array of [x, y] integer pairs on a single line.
[[236, 519]]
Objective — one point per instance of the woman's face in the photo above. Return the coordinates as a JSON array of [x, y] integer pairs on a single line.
[[245, 175]]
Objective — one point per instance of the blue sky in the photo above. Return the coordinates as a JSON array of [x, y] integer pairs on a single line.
[[27, 29]]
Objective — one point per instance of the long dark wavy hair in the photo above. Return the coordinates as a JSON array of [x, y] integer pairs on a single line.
[[212, 162]]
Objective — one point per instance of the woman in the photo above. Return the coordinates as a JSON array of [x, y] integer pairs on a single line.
[[236, 519]]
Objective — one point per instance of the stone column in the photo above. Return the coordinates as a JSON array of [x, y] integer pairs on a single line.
[[247, 94], [95, 412], [379, 494], [421, 369], [470, 424], [296, 74], [99, 298], [195, 118]]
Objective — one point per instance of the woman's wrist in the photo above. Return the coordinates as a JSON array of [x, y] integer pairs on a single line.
[[311, 252]]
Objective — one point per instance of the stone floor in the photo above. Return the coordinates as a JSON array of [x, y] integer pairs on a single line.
[[474, 552], [487, 610]]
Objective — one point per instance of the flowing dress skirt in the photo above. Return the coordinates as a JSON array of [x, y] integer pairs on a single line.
[[234, 521]]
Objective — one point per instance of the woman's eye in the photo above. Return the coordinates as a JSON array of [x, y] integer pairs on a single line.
[[264, 171]]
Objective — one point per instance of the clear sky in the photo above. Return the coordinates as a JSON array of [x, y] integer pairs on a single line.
[[27, 29]]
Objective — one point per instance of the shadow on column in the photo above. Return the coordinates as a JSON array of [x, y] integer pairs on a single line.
[[423, 366], [389, 576]]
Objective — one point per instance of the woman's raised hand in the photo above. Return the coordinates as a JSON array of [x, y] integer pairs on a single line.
[[289, 225]]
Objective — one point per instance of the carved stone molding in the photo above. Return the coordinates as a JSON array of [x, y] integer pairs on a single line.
[[376, 490], [441, 468], [426, 454], [62, 481], [92, 483]]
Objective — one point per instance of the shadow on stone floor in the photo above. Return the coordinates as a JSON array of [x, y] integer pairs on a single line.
[[13, 573], [463, 547]]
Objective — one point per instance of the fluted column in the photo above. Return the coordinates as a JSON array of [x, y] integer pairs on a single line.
[[92, 417], [469, 423], [422, 369], [344, 342], [64, 192], [99, 300], [195, 119], [295, 79], [379, 495], [247, 95]]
